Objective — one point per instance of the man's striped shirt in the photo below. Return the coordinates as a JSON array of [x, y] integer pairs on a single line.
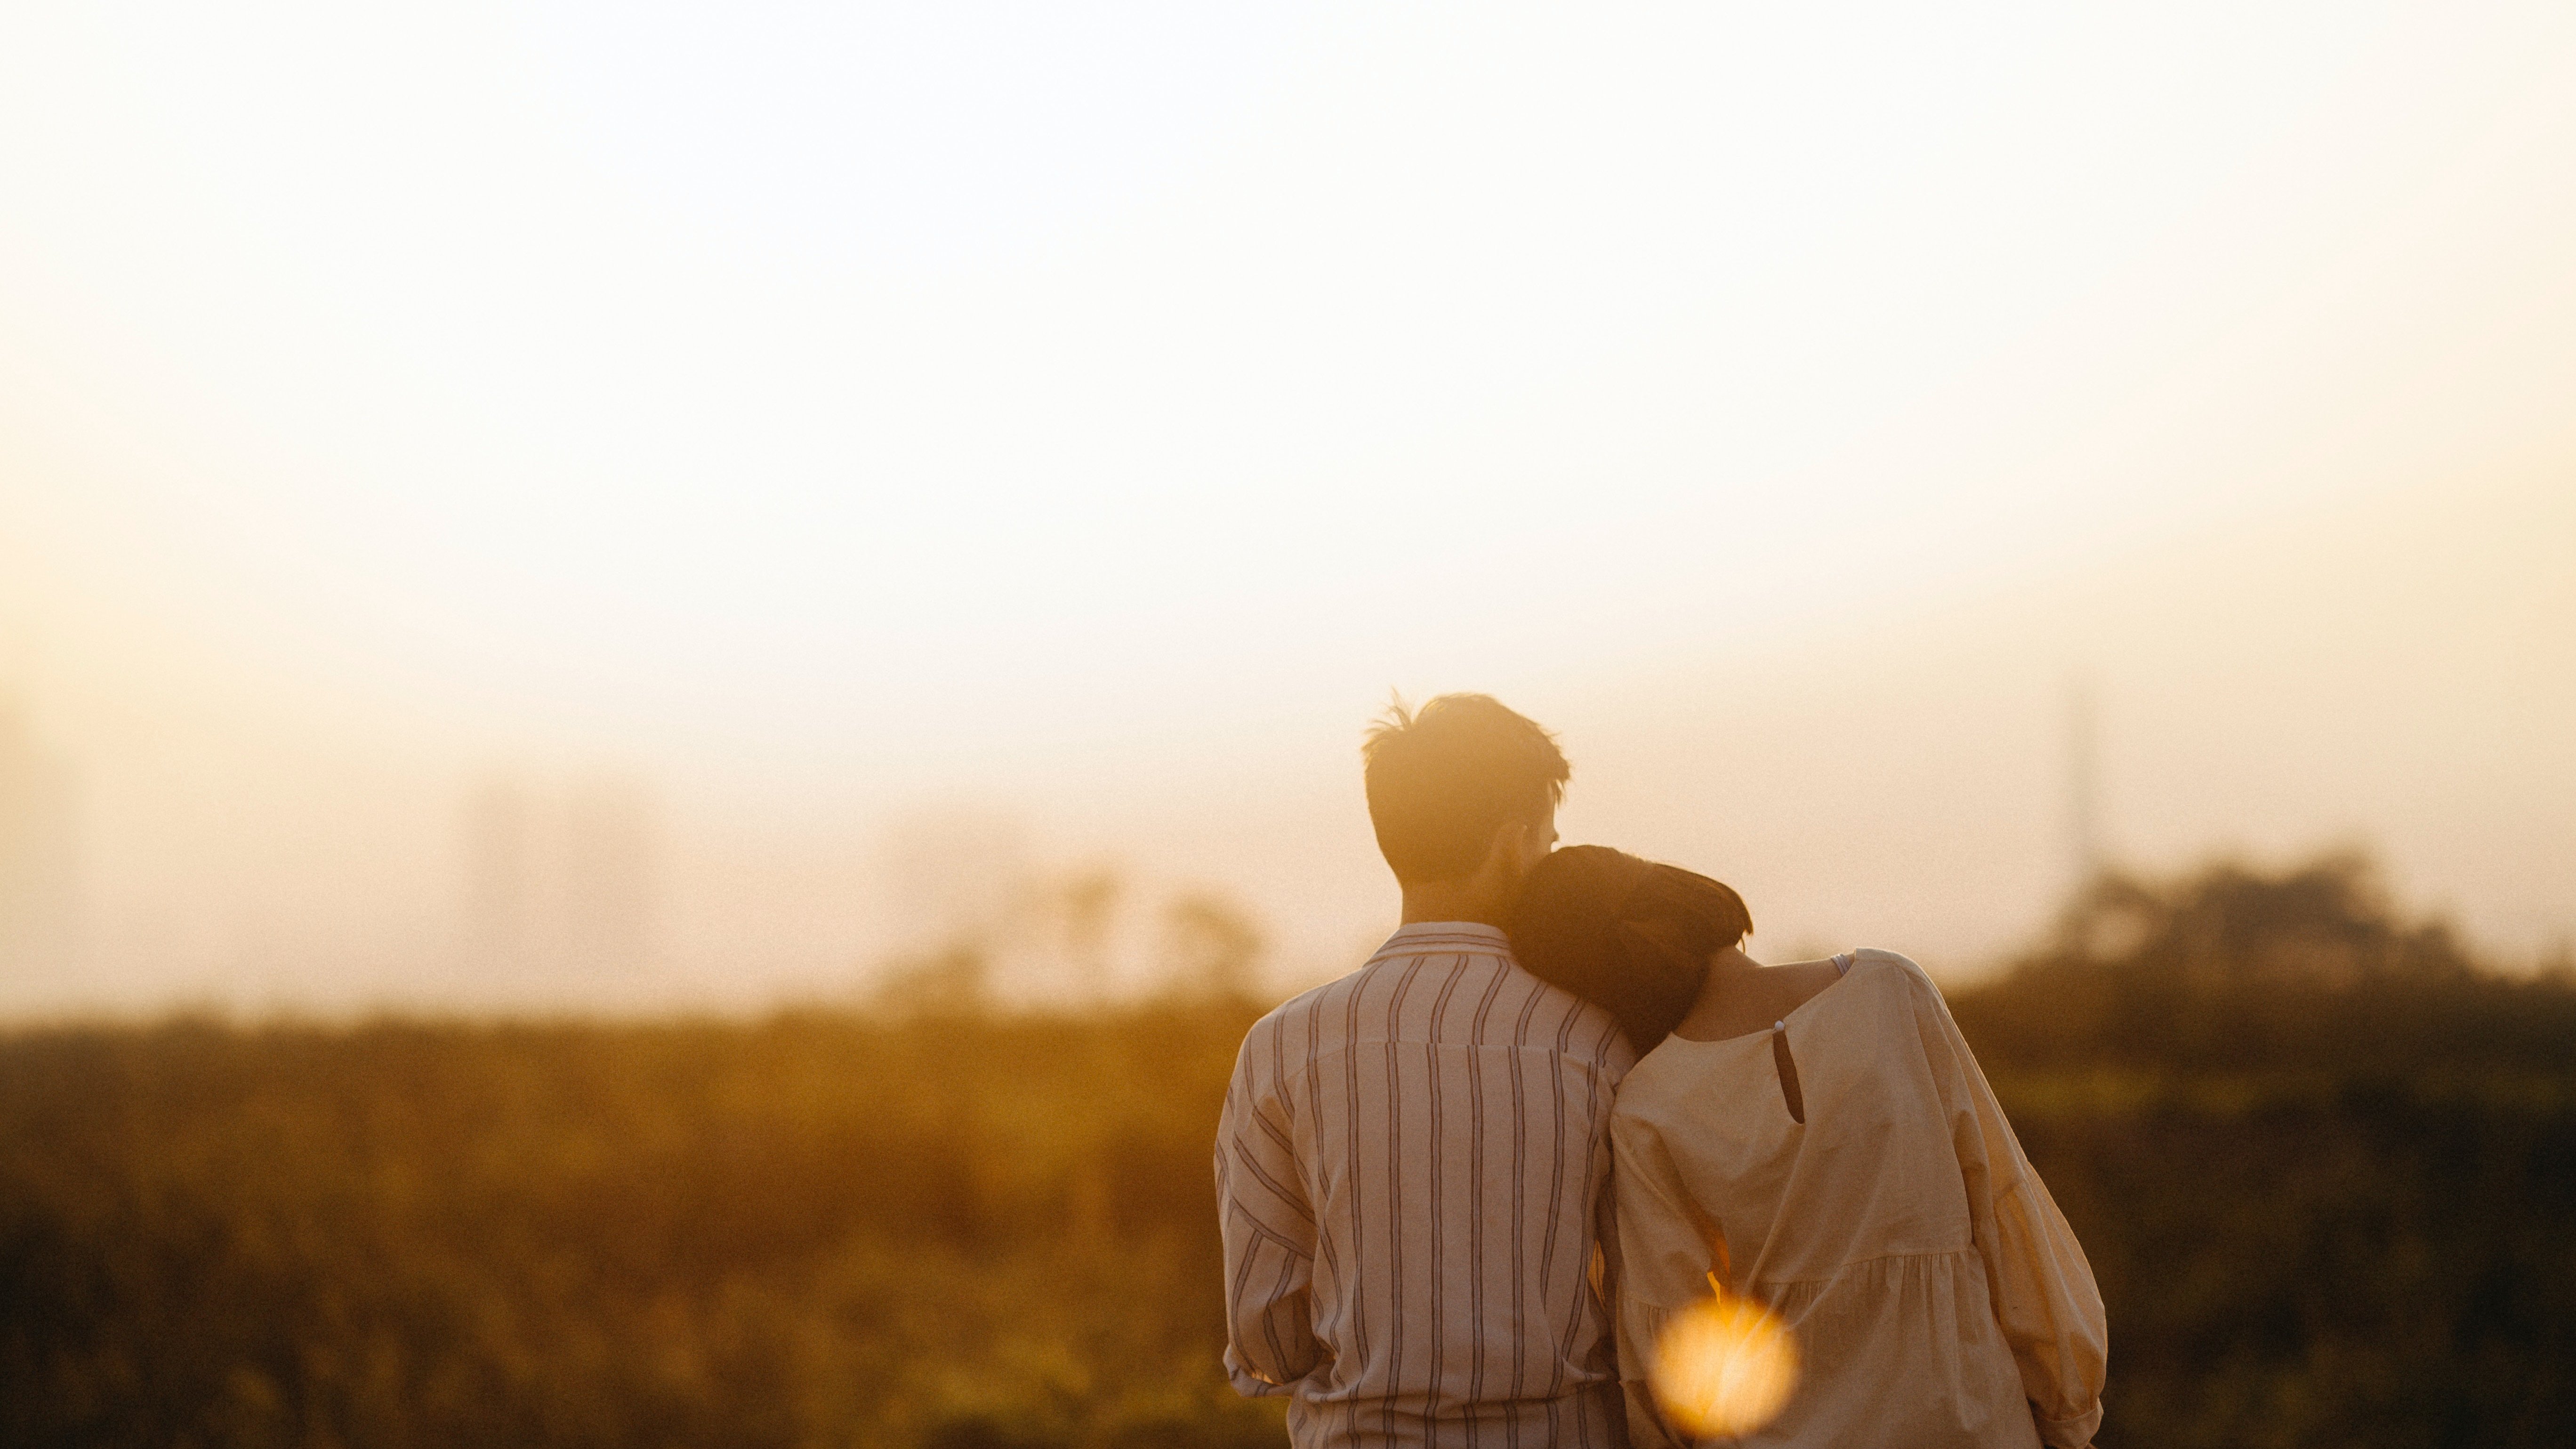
[[1413, 1172]]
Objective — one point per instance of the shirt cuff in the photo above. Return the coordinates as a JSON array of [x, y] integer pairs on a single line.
[[1252, 1385], [2069, 1433]]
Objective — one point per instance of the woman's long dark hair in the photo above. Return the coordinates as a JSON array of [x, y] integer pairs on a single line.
[[1631, 936]]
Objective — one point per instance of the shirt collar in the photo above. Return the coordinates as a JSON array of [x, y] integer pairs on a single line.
[[1450, 934]]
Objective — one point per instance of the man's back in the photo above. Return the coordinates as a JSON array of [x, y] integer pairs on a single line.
[[1413, 1168]]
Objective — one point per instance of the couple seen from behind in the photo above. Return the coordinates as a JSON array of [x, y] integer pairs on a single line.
[[1465, 1189]]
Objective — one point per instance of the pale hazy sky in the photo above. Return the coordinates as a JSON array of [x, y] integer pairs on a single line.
[[822, 418]]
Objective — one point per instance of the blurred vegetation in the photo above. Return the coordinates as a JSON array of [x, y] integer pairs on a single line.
[[818, 1230], [2324, 1164]]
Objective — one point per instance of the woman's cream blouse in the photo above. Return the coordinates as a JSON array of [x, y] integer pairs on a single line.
[[1937, 1295]]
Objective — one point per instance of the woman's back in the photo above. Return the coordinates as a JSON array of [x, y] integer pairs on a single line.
[[1937, 1295]]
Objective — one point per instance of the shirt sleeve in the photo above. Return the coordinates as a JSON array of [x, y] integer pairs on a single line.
[[1268, 1230], [2044, 1296], [1663, 1264]]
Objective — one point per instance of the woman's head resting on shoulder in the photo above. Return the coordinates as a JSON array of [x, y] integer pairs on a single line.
[[1631, 936]]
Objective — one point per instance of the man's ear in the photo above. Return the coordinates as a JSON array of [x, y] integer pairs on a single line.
[[1495, 867]]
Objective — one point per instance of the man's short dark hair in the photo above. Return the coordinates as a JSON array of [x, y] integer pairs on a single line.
[[1442, 779]]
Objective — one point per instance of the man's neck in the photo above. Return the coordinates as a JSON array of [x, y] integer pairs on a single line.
[[1451, 900]]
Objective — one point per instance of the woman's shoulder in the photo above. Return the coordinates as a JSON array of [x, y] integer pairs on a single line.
[[1893, 968], [1900, 983], [1910, 994]]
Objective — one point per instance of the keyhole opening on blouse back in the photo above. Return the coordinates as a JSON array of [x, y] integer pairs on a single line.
[[1788, 1066]]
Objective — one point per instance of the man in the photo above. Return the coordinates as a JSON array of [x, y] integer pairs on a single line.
[[1413, 1163]]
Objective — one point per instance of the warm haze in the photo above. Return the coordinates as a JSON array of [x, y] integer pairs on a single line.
[[820, 458]]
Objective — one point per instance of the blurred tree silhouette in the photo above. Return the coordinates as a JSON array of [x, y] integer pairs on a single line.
[[1214, 946], [1087, 902], [2328, 923], [2232, 969], [953, 981]]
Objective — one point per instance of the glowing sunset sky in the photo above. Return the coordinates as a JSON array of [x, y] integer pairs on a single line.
[[835, 416]]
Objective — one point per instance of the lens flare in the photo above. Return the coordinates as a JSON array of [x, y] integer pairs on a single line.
[[1724, 1366]]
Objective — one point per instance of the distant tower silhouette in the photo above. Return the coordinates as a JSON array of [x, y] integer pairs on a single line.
[[560, 884], [39, 874], [499, 875], [2084, 780], [605, 867]]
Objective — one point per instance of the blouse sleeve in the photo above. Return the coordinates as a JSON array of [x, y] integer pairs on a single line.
[[2042, 1288], [1662, 1267]]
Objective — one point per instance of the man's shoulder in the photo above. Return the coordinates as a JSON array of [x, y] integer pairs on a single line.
[[1310, 1011], [1443, 997]]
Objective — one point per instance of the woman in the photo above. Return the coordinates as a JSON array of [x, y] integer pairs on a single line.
[[1818, 1136]]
